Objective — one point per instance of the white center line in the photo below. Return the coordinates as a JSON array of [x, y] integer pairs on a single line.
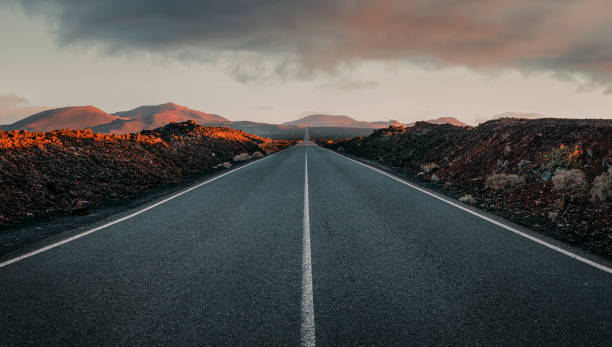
[[308, 323]]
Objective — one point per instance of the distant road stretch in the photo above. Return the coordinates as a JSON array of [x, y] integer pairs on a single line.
[[305, 247]]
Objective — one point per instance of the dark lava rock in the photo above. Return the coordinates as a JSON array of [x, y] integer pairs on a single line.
[[71, 171], [467, 156]]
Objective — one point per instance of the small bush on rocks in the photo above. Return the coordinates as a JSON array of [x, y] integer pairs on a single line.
[[242, 157], [556, 158], [569, 180], [503, 181], [468, 199], [602, 187], [564, 157], [429, 167], [257, 155]]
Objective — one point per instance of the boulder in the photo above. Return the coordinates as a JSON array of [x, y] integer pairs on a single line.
[[524, 164], [242, 157], [257, 155]]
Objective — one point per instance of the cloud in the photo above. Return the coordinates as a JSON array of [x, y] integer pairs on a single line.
[[14, 107], [349, 85], [297, 38], [263, 108]]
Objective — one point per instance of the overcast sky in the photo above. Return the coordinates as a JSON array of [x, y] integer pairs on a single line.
[[274, 61]]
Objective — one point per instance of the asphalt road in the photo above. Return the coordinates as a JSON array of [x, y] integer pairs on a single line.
[[227, 263]]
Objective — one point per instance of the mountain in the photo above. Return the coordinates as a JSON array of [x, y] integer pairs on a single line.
[[386, 124], [132, 121], [447, 120], [325, 120], [74, 117], [443, 120], [152, 117], [275, 131], [523, 115]]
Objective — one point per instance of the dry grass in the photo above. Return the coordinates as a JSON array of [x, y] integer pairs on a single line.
[[503, 181], [602, 187], [468, 199], [242, 157], [429, 167], [569, 180]]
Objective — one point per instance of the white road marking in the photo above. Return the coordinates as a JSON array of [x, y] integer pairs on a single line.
[[308, 324], [85, 233], [518, 232]]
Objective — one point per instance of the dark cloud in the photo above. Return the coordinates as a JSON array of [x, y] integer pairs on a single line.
[[13, 107], [562, 36]]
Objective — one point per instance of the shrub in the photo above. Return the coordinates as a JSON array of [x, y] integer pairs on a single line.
[[564, 157], [429, 167], [242, 157], [569, 180], [503, 181], [602, 187], [468, 199], [256, 155]]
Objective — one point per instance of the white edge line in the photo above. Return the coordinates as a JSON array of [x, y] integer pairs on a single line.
[[308, 322], [90, 231], [518, 232]]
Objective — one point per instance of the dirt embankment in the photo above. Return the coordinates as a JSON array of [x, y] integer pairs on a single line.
[[552, 175], [70, 171]]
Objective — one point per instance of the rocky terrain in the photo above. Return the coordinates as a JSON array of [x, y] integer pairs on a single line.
[[552, 175], [71, 171]]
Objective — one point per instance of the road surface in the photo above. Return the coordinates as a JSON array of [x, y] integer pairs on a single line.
[[303, 247]]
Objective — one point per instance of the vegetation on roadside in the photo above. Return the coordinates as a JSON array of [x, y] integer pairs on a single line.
[[573, 181], [602, 187], [503, 181]]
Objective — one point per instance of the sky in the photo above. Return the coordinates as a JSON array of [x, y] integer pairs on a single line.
[[275, 61]]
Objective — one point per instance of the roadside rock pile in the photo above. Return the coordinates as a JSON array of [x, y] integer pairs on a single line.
[[69, 171], [552, 175]]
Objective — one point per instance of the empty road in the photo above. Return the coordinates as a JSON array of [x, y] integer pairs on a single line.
[[303, 247]]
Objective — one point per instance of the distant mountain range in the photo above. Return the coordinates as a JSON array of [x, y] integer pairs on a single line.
[[325, 120], [444, 120], [523, 115], [140, 118], [151, 117]]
